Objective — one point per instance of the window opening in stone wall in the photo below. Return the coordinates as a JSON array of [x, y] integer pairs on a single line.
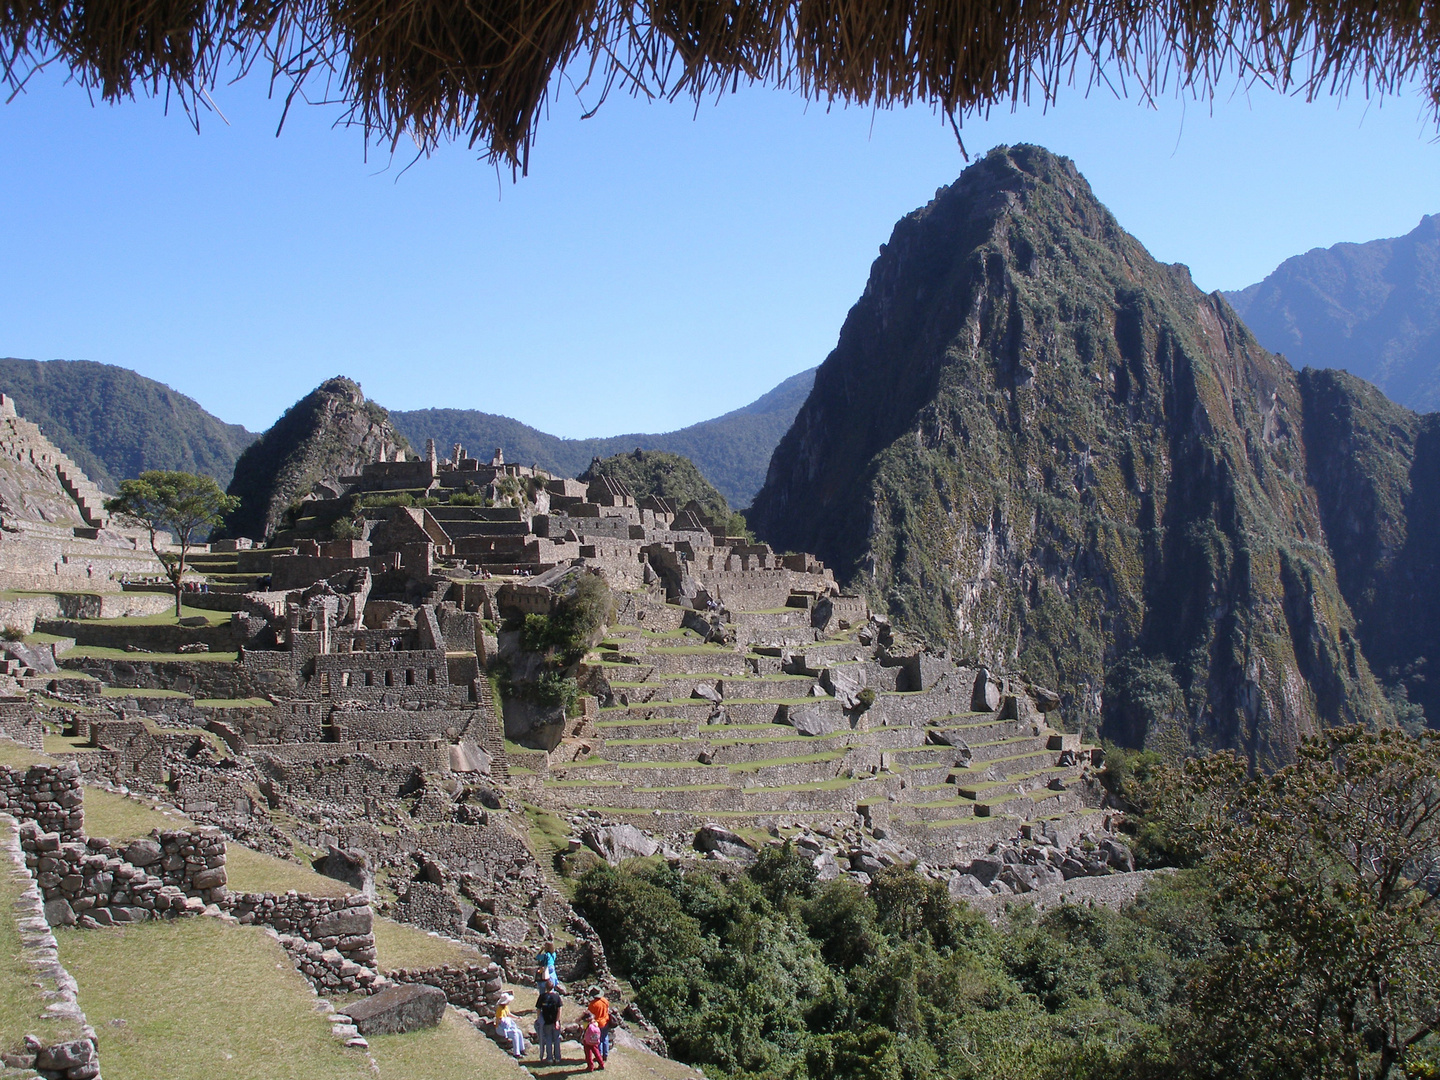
[[409, 677], [389, 678], [431, 676], [369, 678]]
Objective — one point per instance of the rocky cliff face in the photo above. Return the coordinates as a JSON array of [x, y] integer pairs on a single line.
[[1376, 468], [327, 434], [1037, 442]]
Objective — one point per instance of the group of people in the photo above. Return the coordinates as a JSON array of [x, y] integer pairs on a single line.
[[594, 1036]]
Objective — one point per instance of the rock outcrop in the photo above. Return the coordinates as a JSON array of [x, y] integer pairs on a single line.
[[325, 435], [1038, 443], [1376, 468]]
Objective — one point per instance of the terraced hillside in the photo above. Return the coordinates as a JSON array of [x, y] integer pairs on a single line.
[[794, 726]]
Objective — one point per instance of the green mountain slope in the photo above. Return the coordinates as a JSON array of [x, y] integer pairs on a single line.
[[328, 433], [116, 424], [1036, 442], [732, 450], [1376, 467], [1372, 309], [668, 476]]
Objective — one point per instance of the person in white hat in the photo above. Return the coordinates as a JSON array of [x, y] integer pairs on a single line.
[[506, 1027]]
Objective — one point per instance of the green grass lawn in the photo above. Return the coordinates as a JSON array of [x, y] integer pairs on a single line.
[[102, 652], [18, 757], [139, 692], [400, 946], [251, 871], [200, 1000], [214, 618], [117, 817]]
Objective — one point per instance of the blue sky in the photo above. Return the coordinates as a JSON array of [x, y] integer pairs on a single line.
[[661, 264]]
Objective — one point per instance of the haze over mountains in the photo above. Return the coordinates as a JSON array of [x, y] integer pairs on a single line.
[[116, 423], [1372, 309]]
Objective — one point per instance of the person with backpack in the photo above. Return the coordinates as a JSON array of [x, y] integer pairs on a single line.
[[600, 1010], [547, 1024], [590, 1039]]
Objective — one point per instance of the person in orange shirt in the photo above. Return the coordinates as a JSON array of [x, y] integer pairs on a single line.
[[600, 1010]]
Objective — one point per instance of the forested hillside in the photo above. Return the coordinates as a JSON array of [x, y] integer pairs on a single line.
[[116, 424]]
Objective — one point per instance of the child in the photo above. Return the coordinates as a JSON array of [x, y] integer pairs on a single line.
[[590, 1039]]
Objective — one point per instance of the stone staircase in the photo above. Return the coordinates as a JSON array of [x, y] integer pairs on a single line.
[[23, 440], [693, 732]]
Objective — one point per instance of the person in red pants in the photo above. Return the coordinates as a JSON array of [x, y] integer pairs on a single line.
[[590, 1039]]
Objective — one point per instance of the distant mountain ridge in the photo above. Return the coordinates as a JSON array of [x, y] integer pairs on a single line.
[[1371, 309], [116, 423], [733, 450]]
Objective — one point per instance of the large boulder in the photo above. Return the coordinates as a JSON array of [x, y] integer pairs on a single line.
[[406, 1007], [818, 719], [986, 695], [1117, 854], [844, 684], [616, 843], [538, 727], [347, 922], [38, 658], [965, 885], [711, 837], [351, 867]]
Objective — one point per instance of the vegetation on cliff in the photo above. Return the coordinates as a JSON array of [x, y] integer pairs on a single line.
[[117, 424], [329, 433], [672, 477], [1037, 443]]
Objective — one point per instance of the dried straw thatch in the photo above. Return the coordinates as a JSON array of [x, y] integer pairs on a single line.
[[481, 69]]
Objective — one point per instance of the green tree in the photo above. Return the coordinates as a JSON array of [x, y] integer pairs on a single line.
[[175, 502], [1327, 875]]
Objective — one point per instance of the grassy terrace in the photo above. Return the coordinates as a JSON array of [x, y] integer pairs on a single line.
[[199, 1000], [100, 652]]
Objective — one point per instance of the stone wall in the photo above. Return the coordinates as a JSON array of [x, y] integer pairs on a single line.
[[98, 883], [49, 1049], [474, 986], [343, 923], [20, 723], [50, 796], [387, 724], [202, 678], [350, 771], [160, 637]]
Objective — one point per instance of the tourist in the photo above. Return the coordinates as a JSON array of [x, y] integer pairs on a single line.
[[507, 1028], [590, 1040], [546, 961], [547, 1024], [600, 1010]]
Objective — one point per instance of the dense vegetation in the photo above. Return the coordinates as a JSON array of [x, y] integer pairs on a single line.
[[1372, 309], [1299, 942], [733, 450], [117, 424], [559, 640], [667, 476]]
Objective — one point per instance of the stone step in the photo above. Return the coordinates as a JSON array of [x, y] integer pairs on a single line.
[[737, 747], [748, 688], [766, 772]]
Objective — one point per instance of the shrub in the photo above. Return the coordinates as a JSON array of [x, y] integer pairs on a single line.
[[12, 633], [345, 529], [554, 688]]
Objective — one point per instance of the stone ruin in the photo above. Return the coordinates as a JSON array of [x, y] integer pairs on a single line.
[[737, 697]]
